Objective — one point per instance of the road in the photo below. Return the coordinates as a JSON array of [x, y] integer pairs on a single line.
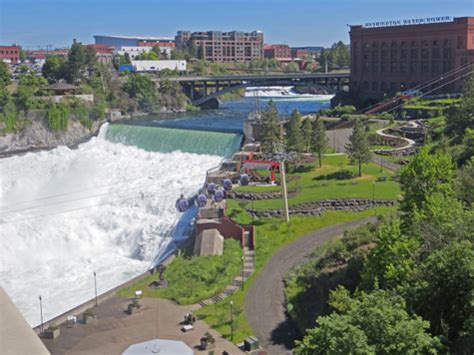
[[264, 303]]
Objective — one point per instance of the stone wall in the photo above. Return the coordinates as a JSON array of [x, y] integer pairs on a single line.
[[318, 207]]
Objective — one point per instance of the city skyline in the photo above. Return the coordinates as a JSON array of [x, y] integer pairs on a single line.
[[296, 23]]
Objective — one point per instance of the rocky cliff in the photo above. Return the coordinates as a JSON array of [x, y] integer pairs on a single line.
[[35, 134]]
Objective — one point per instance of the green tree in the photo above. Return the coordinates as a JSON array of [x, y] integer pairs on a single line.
[[5, 76], [425, 175], [22, 55], [319, 139], [54, 68], [391, 261], [465, 183], [307, 135], [376, 323], [294, 136], [271, 127], [292, 67], [28, 86], [445, 294], [334, 335], [467, 146], [142, 89], [462, 117], [80, 59], [358, 147]]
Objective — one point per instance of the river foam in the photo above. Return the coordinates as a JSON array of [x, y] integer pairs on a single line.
[[102, 207]]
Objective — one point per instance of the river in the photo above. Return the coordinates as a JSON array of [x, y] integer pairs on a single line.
[[108, 206]]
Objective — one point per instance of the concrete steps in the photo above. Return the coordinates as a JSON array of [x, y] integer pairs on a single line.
[[249, 268]]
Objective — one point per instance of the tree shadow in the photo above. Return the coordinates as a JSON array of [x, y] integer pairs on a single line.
[[285, 334]]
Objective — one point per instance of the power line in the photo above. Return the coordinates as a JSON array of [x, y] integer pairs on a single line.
[[73, 192], [71, 200], [68, 210]]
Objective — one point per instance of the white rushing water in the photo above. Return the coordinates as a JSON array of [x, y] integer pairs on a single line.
[[103, 207], [283, 92]]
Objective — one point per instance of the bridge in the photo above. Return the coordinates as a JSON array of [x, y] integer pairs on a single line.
[[205, 90]]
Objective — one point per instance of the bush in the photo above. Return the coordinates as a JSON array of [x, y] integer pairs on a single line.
[[58, 117], [338, 175]]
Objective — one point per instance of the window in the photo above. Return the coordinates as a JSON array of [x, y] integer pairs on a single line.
[[374, 86]]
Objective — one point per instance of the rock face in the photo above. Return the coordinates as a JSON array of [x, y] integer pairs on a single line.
[[35, 135], [318, 207]]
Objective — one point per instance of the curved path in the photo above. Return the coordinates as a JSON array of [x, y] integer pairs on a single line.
[[264, 303], [409, 142]]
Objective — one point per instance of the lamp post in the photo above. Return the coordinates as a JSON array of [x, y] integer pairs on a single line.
[[381, 164], [41, 312], [242, 272], [231, 320], [95, 287], [373, 192]]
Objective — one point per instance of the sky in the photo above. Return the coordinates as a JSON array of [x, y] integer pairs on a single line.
[[33, 23]]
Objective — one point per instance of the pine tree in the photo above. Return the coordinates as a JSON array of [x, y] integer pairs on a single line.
[[358, 147], [319, 139], [307, 134], [294, 136], [271, 127]]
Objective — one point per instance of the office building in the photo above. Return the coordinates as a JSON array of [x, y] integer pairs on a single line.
[[217, 46]]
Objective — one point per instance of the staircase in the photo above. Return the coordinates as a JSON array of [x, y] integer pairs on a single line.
[[246, 272]]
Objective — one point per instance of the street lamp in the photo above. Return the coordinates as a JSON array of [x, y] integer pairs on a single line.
[[95, 287], [242, 272], [373, 192], [231, 320], [41, 312]]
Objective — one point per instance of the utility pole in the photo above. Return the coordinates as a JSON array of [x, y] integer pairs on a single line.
[[41, 313], [285, 194], [326, 66]]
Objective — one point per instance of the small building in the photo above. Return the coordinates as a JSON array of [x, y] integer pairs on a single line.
[[61, 88], [141, 66], [159, 346], [10, 54], [209, 242]]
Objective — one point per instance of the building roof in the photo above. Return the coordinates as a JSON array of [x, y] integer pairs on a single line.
[[140, 38], [16, 335], [159, 346], [60, 86]]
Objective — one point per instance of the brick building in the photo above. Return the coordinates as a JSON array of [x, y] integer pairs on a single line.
[[219, 46], [10, 53], [281, 52], [103, 52], [394, 56]]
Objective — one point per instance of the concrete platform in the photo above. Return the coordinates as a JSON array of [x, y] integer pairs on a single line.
[[114, 330]]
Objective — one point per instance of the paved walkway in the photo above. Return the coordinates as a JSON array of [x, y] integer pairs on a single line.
[[115, 330], [264, 303]]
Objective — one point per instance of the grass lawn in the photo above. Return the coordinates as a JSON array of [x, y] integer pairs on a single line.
[[315, 184], [271, 235], [193, 279]]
